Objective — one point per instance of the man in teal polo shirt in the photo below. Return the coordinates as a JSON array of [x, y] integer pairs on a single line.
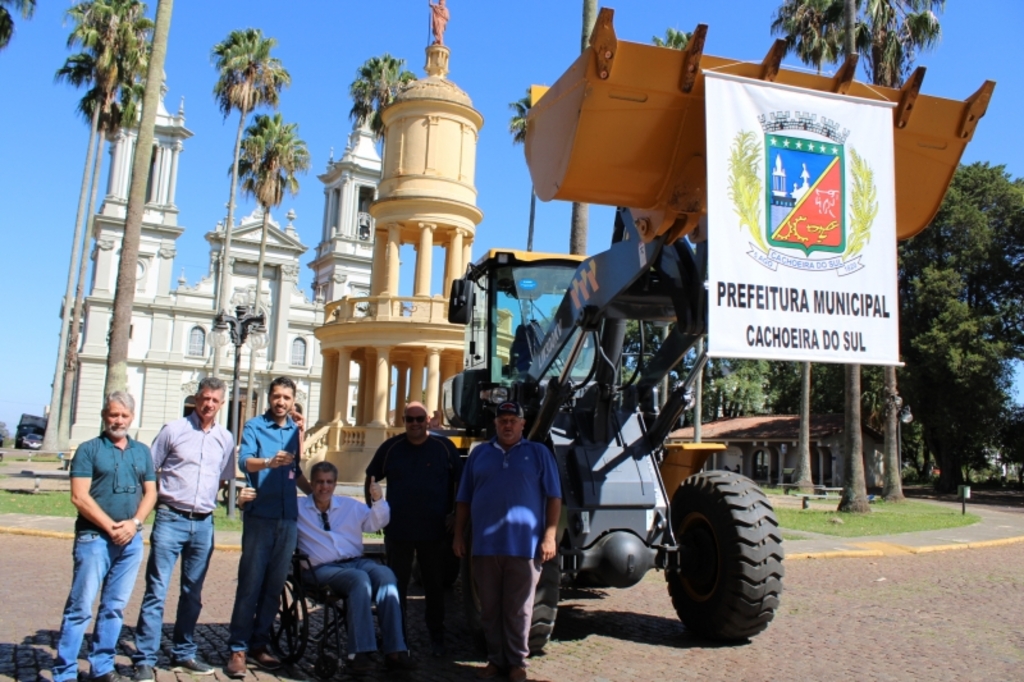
[[113, 485], [269, 456]]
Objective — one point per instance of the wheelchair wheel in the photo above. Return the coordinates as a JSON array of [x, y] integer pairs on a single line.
[[291, 630]]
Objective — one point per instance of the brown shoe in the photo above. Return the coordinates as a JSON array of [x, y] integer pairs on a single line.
[[488, 672], [236, 668], [516, 674], [264, 659]]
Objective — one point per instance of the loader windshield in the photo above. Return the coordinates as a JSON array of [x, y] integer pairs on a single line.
[[526, 298]]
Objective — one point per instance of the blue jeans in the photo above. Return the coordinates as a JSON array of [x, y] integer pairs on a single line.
[[267, 548], [363, 583], [104, 568], [173, 535]]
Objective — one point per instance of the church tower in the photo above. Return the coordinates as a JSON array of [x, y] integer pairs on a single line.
[[343, 257]]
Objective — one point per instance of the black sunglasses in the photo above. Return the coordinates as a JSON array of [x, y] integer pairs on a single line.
[[416, 420], [326, 521]]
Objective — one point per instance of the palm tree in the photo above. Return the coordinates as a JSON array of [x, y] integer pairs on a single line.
[[894, 31], [249, 77], [377, 83], [517, 127], [271, 154], [26, 8], [813, 29], [124, 294], [579, 225], [674, 39], [113, 35]]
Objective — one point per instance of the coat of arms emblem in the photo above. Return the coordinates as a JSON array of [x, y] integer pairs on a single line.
[[805, 194]]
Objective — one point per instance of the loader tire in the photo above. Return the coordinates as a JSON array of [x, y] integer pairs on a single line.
[[730, 591], [545, 604]]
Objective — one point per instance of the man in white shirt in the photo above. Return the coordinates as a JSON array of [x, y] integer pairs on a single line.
[[330, 530]]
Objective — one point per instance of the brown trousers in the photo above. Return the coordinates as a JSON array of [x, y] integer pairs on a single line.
[[506, 586]]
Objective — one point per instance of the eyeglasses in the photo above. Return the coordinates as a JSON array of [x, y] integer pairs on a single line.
[[324, 519], [416, 420]]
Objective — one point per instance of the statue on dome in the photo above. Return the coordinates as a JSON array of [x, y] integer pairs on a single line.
[[438, 20]]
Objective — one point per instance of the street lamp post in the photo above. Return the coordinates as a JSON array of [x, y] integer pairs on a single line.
[[244, 327]]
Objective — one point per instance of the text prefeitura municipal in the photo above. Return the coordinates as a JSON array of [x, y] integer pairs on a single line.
[[790, 299]]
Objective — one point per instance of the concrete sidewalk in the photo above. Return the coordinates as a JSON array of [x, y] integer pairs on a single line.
[[997, 526]]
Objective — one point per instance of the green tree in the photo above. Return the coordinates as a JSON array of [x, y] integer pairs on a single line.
[[1012, 441], [377, 83], [893, 32], [249, 77], [271, 154], [959, 318], [675, 39], [26, 8], [124, 294], [113, 37], [517, 127]]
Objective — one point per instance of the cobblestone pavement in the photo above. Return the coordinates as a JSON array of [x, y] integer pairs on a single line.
[[949, 615]]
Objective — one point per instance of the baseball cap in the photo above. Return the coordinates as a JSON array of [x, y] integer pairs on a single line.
[[510, 407]]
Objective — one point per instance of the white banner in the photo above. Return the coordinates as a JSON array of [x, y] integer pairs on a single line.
[[801, 225]]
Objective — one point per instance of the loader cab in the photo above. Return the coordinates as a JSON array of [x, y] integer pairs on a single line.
[[507, 301]]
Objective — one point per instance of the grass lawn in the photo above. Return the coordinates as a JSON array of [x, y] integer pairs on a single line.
[[59, 504], [886, 518]]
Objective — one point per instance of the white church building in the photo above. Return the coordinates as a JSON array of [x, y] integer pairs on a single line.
[[169, 351]]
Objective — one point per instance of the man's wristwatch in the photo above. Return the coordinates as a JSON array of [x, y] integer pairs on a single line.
[[138, 525]]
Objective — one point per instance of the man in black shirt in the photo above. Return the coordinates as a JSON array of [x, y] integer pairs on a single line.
[[422, 471]]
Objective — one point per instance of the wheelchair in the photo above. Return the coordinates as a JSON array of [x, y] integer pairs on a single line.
[[291, 636]]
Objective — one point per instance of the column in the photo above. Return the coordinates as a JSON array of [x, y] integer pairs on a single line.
[[433, 378], [447, 370], [400, 393], [361, 392], [455, 256], [416, 376], [380, 388], [370, 367], [393, 266], [343, 376], [380, 245], [327, 381], [280, 326], [423, 259], [167, 163], [116, 160], [467, 253], [325, 228], [174, 173]]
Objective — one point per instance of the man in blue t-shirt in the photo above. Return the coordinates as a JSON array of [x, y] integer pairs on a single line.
[[510, 490], [421, 471], [113, 486], [269, 456]]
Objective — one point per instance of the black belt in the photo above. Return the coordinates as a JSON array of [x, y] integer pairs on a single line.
[[191, 515]]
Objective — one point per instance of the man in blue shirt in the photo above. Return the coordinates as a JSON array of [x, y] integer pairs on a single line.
[[269, 456], [511, 491], [114, 488], [192, 455]]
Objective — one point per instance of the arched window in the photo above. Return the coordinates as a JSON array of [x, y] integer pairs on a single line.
[[196, 342], [299, 352]]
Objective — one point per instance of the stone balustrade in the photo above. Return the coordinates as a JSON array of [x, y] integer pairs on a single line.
[[413, 309]]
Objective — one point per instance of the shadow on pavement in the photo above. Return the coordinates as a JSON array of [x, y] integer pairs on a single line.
[[576, 623]]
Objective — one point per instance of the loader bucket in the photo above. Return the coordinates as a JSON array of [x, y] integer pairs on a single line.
[[625, 126]]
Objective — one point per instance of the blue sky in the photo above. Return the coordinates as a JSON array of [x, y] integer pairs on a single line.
[[498, 50]]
